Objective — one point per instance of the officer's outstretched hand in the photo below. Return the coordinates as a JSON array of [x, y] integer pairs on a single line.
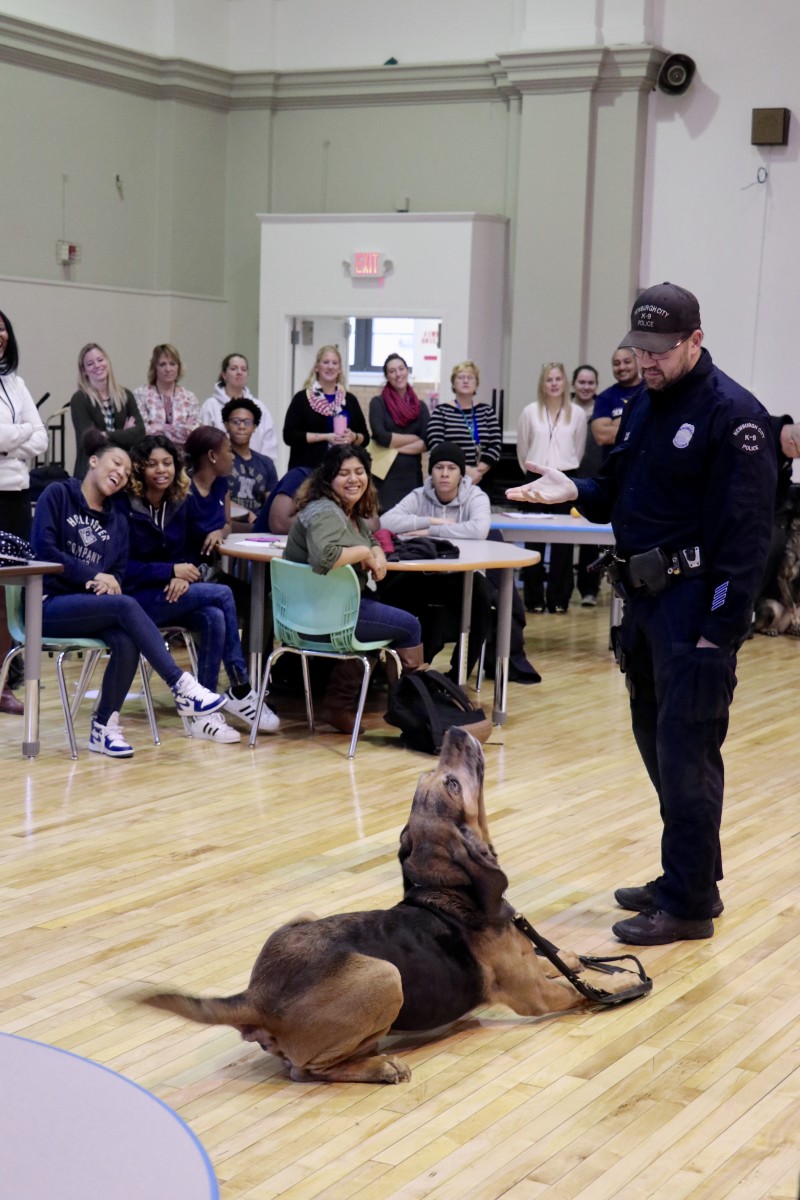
[[554, 487]]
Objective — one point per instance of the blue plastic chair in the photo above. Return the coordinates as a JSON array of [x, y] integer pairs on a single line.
[[91, 648], [315, 617]]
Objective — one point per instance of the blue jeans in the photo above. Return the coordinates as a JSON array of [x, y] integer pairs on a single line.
[[208, 610], [122, 623], [380, 622]]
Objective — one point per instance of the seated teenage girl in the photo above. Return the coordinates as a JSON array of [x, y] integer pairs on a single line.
[[331, 531], [209, 458], [76, 524], [169, 588]]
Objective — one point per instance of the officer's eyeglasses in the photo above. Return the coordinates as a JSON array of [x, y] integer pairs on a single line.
[[656, 357], [241, 422]]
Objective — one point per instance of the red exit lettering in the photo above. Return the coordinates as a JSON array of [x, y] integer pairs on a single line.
[[367, 263]]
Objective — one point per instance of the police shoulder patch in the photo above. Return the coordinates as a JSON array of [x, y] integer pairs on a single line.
[[749, 436]]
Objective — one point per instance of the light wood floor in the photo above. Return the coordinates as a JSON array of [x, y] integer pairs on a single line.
[[173, 867]]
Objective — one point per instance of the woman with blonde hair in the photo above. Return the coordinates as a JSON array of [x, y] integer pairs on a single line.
[[323, 413], [467, 422], [166, 407], [101, 403], [552, 431]]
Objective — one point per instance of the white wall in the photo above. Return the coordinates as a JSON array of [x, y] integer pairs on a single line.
[[707, 224], [286, 35], [196, 178], [449, 266], [52, 322]]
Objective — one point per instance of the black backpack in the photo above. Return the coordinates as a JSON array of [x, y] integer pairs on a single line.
[[425, 704]]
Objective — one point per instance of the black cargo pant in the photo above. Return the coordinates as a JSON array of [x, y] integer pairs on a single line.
[[679, 697]]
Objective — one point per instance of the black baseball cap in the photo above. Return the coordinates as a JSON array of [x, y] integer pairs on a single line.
[[659, 316]]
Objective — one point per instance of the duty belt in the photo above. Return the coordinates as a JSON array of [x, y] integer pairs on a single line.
[[653, 571]]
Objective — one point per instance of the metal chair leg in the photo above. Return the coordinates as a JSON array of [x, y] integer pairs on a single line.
[[62, 687], [90, 660], [307, 692], [362, 699], [481, 665], [12, 654], [262, 692], [144, 670]]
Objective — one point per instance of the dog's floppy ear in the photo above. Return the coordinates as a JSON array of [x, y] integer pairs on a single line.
[[487, 877], [406, 847]]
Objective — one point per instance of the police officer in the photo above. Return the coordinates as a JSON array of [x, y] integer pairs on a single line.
[[689, 489]]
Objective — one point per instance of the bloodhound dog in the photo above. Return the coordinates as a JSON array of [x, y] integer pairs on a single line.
[[323, 992]]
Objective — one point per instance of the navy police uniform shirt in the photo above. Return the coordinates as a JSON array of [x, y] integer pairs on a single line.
[[695, 465]]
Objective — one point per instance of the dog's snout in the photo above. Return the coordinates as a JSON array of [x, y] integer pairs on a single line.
[[459, 737]]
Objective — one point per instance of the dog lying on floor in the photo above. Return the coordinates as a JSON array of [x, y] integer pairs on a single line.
[[323, 992]]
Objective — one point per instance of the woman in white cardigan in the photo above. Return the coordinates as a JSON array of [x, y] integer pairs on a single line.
[[551, 431], [22, 438]]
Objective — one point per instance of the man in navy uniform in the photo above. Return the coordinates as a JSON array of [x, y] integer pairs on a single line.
[[689, 488]]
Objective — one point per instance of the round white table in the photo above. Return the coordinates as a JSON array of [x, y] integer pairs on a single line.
[[74, 1130], [473, 556]]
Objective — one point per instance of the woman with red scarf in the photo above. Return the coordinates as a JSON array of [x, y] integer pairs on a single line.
[[398, 420]]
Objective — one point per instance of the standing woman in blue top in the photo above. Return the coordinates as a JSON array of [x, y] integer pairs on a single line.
[[323, 414], [471, 424], [169, 588], [76, 524]]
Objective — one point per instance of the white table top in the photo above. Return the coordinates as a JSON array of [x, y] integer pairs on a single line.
[[474, 555], [73, 1129]]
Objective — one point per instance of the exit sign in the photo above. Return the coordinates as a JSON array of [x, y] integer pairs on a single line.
[[367, 264]]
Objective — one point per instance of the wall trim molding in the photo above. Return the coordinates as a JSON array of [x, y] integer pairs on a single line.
[[592, 68], [81, 285]]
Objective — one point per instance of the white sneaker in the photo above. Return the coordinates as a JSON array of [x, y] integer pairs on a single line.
[[108, 739], [589, 601], [193, 700], [213, 728], [245, 709]]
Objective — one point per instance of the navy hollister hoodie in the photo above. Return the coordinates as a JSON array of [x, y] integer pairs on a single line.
[[84, 541], [153, 548]]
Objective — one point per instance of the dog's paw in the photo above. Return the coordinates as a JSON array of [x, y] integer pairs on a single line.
[[571, 960], [794, 629], [394, 1070]]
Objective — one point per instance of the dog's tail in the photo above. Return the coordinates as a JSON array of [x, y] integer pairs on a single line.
[[221, 1010]]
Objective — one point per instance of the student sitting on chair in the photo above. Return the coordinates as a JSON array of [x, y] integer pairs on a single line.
[[450, 505], [76, 524], [170, 590], [331, 531]]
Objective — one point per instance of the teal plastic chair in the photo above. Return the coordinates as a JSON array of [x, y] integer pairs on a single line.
[[315, 617], [91, 648]]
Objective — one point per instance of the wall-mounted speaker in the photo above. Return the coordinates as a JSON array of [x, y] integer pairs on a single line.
[[676, 74], [770, 127]]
